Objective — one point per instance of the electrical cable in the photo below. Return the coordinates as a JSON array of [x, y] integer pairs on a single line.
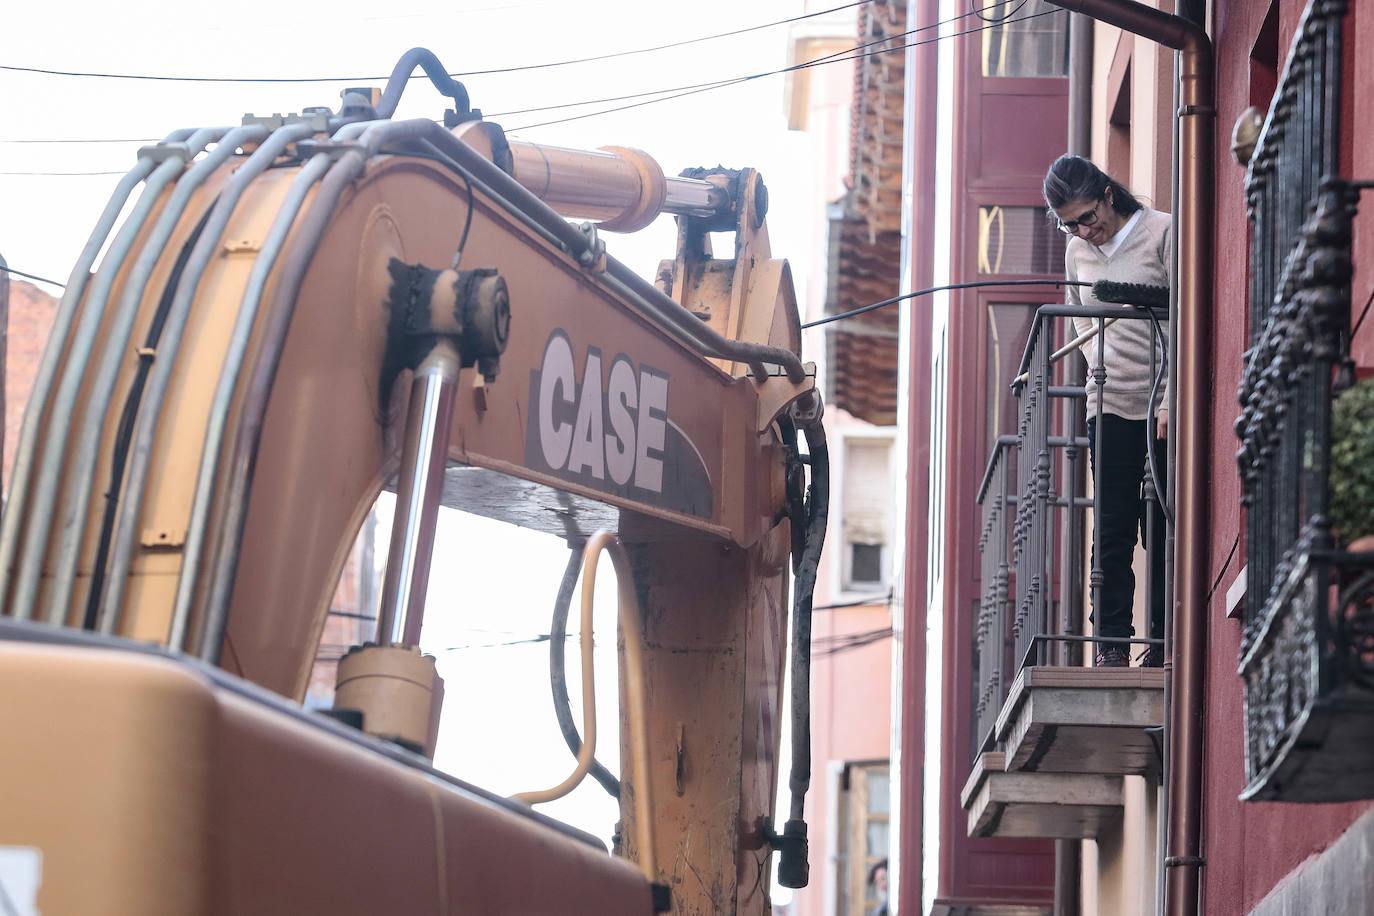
[[666, 94], [27, 276], [43, 71], [834, 645], [1003, 18], [78, 140], [62, 174], [938, 289], [829, 59], [467, 224]]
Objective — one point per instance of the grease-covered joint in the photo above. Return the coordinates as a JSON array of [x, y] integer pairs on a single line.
[[468, 310], [807, 410], [731, 181]]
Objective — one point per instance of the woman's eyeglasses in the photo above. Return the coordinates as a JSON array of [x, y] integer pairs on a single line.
[[1084, 220]]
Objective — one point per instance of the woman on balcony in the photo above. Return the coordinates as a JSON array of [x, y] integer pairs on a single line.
[[1114, 237]]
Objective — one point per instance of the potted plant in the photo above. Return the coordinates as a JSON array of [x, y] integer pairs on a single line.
[[1352, 466]]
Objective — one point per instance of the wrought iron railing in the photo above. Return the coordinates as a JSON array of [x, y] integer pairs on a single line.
[[991, 647], [1033, 516], [1307, 651]]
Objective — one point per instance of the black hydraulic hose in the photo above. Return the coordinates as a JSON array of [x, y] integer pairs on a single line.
[[124, 432], [558, 678], [793, 870], [400, 76]]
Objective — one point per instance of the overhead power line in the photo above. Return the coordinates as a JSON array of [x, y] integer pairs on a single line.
[[664, 95], [829, 59], [832, 57], [20, 273], [77, 140], [44, 71], [853, 313], [66, 174]]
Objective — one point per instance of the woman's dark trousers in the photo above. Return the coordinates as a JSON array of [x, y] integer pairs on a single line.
[[1120, 465]]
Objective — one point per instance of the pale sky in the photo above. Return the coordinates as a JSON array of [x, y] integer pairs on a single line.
[[498, 583]]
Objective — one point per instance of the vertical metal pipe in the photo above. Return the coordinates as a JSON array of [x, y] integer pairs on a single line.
[[1080, 85], [423, 459]]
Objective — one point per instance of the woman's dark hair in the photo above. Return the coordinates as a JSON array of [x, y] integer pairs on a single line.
[[874, 868], [1073, 178]]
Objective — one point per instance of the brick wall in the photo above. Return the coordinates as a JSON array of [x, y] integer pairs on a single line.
[[30, 319]]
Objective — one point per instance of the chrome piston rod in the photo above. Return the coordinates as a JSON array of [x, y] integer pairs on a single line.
[[424, 457]]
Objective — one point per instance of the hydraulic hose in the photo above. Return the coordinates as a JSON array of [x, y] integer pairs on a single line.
[[212, 629], [632, 629], [400, 76], [586, 754], [793, 870], [252, 413], [169, 343], [76, 495], [26, 452], [267, 153], [558, 677], [43, 496]]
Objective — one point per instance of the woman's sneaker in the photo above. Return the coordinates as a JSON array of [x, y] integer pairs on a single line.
[[1112, 657]]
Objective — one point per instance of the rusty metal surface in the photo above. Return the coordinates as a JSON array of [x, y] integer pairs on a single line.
[[715, 621]]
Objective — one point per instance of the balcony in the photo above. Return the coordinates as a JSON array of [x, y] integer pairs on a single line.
[[1052, 738], [1307, 650]]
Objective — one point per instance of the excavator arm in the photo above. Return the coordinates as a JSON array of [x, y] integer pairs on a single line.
[[293, 316]]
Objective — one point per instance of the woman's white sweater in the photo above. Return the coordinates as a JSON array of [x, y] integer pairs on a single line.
[[1144, 255]]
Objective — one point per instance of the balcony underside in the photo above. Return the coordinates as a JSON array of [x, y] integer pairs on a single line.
[[956, 908], [1058, 805], [1326, 757], [1082, 720]]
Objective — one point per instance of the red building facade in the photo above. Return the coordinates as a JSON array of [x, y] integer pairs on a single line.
[[1284, 823]]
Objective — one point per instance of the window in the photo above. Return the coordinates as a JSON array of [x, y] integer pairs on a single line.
[[1009, 325], [867, 499], [1026, 43], [862, 841], [1018, 240]]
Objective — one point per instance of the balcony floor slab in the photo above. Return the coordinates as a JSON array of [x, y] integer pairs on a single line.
[[1082, 720], [1058, 805]]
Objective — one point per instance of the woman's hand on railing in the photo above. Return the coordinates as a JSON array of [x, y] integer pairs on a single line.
[[1162, 423]]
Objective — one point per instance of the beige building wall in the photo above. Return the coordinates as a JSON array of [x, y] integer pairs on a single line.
[[851, 656]]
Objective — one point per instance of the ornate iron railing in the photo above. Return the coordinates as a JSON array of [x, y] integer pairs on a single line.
[[1307, 651], [997, 496], [1033, 510]]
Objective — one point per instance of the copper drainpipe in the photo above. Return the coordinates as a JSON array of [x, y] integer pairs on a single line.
[[1194, 176]]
